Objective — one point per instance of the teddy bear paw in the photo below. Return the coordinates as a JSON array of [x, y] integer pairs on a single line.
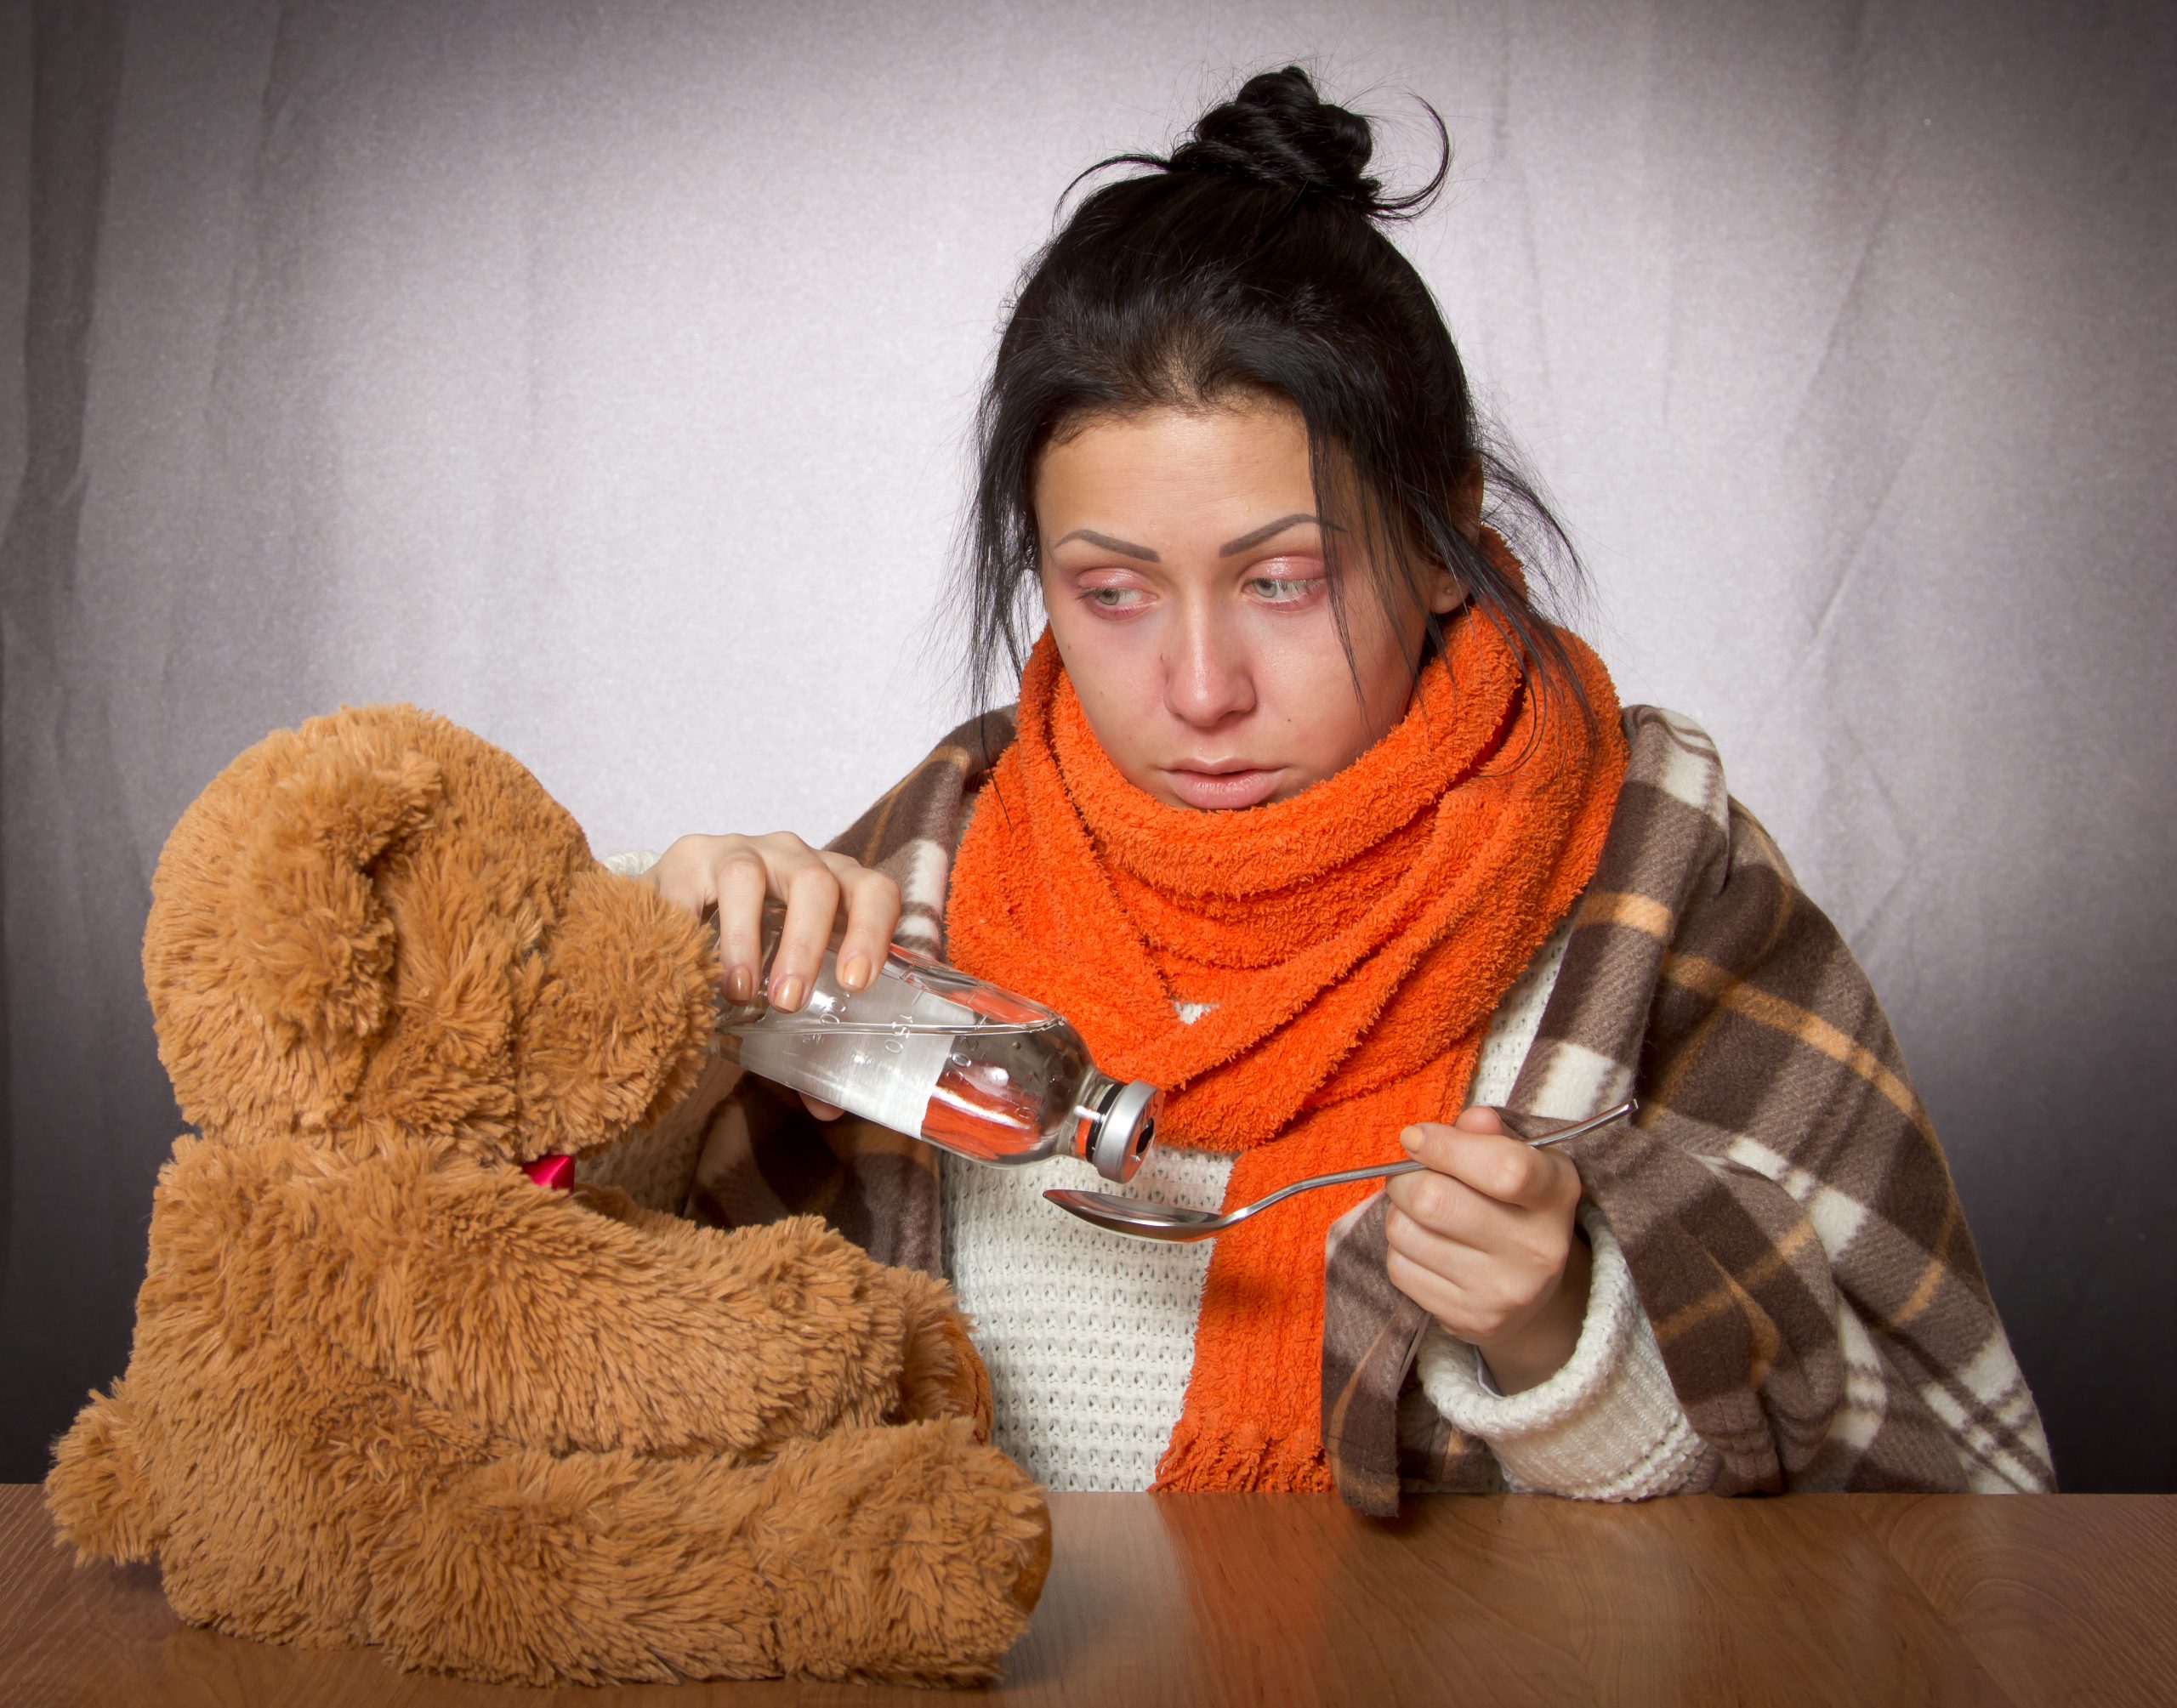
[[942, 1374], [1028, 1588]]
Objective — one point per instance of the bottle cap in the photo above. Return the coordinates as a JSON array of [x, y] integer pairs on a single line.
[[1125, 1130]]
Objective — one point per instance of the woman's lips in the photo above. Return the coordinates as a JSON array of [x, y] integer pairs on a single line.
[[1212, 789]]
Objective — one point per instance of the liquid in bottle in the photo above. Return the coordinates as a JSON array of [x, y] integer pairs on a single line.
[[928, 1050]]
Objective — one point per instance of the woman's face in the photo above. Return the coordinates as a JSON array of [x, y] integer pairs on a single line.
[[1183, 571]]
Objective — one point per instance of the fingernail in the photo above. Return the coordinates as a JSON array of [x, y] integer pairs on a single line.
[[1410, 1137], [739, 985], [854, 971], [787, 992]]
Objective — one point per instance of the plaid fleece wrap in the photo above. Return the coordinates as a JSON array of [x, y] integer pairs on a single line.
[[1784, 1209]]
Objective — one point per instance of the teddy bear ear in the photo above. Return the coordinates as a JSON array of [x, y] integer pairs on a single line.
[[314, 937]]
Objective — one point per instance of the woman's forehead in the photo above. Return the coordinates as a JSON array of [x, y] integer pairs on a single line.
[[1209, 482], [1198, 466]]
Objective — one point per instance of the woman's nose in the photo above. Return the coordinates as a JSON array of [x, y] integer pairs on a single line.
[[1207, 678]]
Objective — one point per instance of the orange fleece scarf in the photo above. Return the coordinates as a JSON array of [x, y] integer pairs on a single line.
[[1355, 941]]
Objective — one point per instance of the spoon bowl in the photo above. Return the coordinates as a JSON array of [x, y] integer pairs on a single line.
[[1145, 1220]]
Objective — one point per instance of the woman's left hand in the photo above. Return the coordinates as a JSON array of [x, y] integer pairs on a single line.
[[1484, 1240]]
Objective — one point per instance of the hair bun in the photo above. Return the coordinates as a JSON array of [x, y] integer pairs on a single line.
[[1278, 130]]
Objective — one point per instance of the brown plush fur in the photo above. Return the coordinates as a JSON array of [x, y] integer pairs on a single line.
[[386, 1390]]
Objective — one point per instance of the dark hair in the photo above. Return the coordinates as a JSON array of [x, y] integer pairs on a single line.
[[1249, 261]]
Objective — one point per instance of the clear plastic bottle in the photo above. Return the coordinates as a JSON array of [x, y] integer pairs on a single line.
[[931, 1051]]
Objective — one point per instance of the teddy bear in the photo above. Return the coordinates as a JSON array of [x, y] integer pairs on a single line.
[[395, 1382]]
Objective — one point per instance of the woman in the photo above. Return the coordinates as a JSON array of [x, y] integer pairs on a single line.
[[1308, 815]]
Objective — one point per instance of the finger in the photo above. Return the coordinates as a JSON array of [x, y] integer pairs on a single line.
[[820, 1109], [739, 880], [872, 916], [1453, 1209], [683, 873], [812, 906], [1431, 1291], [1477, 1297], [1478, 1317], [1506, 1169], [1453, 1260]]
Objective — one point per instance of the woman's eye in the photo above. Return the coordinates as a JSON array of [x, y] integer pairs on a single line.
[[1111, 598], [1283, 589]]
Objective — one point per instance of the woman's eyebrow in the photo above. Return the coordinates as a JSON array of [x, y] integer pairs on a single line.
[[1263, 533], [1110, 545]]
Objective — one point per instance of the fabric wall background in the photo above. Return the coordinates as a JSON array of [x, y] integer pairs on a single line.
[[599, 373]]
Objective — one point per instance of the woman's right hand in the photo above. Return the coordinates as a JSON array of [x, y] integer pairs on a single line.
[[732, 876]]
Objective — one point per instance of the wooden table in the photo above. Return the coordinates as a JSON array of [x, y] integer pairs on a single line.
[[1243, 1598]]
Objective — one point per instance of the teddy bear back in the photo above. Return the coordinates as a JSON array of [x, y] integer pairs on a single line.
[[379, 920]]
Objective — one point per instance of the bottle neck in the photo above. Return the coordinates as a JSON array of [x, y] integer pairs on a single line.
[[1115, 1123]]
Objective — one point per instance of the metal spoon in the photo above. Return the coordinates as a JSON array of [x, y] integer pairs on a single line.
[[1147, 1221]]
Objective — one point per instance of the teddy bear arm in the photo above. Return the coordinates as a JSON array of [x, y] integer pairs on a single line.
[[563, 1327], [822, 1333], [942, 1374]]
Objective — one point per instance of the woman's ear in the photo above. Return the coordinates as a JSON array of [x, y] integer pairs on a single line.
[[1446, 592]]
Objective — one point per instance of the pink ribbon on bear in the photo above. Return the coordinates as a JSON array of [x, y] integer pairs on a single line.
[[557, 1172]]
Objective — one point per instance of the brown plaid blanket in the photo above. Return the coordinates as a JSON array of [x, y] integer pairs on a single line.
[[1785, 1210]]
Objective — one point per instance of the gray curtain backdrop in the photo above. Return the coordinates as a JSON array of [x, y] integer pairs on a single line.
[[599, 373]]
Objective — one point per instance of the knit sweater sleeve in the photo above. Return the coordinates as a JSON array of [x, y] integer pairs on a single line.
[[1607, 1427]]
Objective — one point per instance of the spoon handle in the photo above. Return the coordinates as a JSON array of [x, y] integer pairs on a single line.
[[1379, 1171], [1587, 1126], [1383, 1170]]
